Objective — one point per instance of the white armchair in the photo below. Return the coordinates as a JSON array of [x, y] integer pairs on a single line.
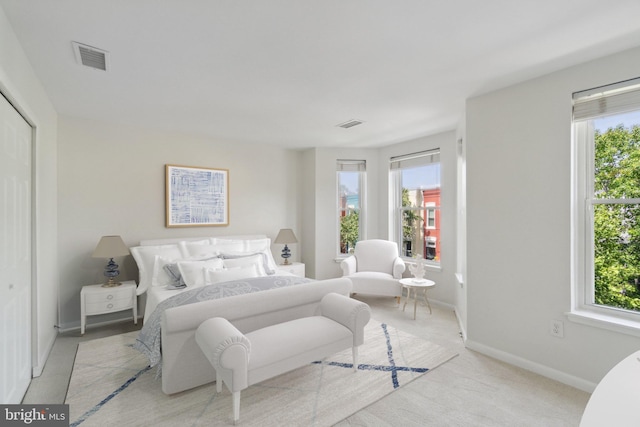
[[375, 268]]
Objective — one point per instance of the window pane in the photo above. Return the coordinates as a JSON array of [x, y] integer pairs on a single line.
[[617, 156], [616, 228], [617, 255], [421, 225], [349, 200]]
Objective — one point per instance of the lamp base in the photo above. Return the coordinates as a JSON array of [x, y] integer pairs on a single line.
[[286, 253], [111, 283], [111, 271]]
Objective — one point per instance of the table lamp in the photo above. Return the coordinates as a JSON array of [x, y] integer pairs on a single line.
[[286, 236], [110, 247]]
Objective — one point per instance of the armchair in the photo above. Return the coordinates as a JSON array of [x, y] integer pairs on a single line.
[[375, 268]]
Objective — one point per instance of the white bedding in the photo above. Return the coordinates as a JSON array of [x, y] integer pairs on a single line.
[[195, 262], [157, 294]]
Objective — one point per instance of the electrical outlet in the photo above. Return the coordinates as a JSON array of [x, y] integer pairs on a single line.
[[557, 328]]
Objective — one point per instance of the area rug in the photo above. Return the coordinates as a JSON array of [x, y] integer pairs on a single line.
[[111, 384]]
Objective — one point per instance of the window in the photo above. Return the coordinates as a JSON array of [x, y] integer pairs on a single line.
[[351, 182], [431, 215], [607, 218], [415, 200]]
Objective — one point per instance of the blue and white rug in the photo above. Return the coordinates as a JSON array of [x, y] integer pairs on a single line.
[[111, 384]]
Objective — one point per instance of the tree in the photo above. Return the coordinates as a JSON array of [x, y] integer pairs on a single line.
[[349, 230], [617, 226], [409, 217]]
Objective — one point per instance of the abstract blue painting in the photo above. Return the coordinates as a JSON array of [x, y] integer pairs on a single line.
[[196, 196]]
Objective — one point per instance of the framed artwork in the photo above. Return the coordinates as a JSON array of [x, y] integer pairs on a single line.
[[196, 197]]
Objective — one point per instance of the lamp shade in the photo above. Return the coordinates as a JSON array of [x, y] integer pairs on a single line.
[[286, 236], [110, 247]]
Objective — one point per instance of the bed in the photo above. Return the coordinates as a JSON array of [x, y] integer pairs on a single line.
[[181, 271], [168, 267]]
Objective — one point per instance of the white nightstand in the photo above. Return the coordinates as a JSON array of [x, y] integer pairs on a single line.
[[296, 268], [96, 299]]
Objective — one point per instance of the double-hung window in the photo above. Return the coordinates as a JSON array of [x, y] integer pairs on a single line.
[[607, 188], [415, 203], [351, 214]]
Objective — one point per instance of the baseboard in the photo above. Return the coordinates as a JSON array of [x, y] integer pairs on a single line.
[[441, 304], [463, 330], [36, 371], [75, 326], [534, 367]]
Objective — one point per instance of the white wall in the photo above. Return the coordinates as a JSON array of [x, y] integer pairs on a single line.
[[519, 217], [111, 181], [20, 85], [308, 211], [460, 302]]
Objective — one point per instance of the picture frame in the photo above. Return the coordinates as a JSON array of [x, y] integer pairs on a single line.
[[196, 196]]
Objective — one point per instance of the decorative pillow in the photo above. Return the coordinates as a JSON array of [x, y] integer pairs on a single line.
[[263, 246], [242, 261], [226, 275], [145, 257], [192, 272], [166, 273], [173, 272]]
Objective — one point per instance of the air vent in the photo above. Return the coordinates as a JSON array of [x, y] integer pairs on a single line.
[[90, 56], [350, 124]]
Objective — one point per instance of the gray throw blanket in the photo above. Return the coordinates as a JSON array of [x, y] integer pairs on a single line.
[[148, 341]]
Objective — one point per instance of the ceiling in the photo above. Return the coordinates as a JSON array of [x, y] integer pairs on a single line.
[[287, 72]]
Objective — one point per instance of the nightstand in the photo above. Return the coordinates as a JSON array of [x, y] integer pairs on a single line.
[[296, 268], [96, 299]]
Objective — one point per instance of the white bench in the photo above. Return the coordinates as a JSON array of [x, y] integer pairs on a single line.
[[241, 360], [184, 365]]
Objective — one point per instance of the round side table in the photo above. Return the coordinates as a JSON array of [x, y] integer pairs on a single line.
[[413, 286]]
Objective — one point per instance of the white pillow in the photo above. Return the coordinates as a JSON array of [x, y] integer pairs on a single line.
[[145, 257], [228, 245], [226, 275], [264, 246], [193, 271], [242, 261], [197, 248]]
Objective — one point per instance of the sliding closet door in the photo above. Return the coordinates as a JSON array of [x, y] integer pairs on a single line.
[[15, 254]]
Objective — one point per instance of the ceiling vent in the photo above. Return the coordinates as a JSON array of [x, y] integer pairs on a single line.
[[350, 124], [90, 56]]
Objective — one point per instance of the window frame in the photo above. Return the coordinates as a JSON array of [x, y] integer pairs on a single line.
[[353, 166], [584, 308], [430, 208], [397, 165]]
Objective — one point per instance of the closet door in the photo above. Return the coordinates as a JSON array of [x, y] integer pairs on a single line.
[[15, 254]]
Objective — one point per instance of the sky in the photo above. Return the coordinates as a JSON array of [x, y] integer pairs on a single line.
[[421, 177], [628, 119]]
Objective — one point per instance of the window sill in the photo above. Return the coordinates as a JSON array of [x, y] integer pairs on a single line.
[[428, 267], [460, 279], [604, 321]]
